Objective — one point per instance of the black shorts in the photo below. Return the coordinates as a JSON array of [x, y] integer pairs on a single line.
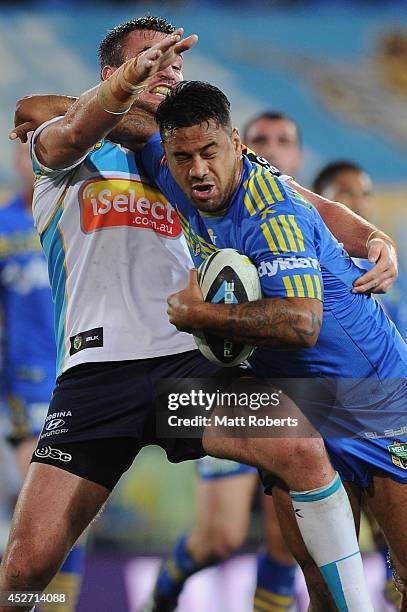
[[101, 415]]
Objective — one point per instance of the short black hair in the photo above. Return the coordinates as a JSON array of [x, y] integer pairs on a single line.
[[191, 103], [329, 172], [272, 116], [111, 48]]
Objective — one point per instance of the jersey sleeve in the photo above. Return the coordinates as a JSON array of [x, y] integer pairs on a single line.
[[39, 168], [282, 244], [152, 157]]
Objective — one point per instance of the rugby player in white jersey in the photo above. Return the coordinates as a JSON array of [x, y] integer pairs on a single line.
[[110, 358]]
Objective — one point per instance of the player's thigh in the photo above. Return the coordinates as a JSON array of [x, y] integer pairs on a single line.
[[53, 509], [387, 500], [223, 505]]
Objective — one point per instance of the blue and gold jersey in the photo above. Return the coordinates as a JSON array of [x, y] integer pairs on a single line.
[[296, 256], [25, 297], [28, 368]]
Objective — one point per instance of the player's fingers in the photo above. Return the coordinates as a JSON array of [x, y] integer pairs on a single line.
[[373, 285], [170, 40], [372, 276], [157, 50], [21, 131], [384, 283], [158, 57], [186, 44], [193, 278], [362, 289], [367, 282], [154, 54], [385, 286]]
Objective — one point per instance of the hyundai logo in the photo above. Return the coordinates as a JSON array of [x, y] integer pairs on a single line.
[[54, 424]]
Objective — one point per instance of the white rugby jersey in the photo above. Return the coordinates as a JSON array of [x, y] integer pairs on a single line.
[[115, 250]]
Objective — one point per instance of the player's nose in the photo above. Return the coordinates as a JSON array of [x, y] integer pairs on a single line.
[[198, 169]]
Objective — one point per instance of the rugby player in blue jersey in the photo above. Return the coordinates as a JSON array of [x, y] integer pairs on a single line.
[[225, 489], [74, 137], [28, 371], [338, 340]]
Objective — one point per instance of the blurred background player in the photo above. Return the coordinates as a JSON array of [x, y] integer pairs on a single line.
[[29, 347], [277, 138], [225, 488], [348, 183]]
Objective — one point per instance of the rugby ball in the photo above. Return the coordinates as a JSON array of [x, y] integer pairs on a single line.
[[226, 277]]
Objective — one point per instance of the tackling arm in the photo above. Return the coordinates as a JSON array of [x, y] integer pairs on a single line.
[[33, 111], [99, 110], [283, 323], [360, 238]]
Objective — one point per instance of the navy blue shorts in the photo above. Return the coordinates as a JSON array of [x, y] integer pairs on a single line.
[[101, 415]]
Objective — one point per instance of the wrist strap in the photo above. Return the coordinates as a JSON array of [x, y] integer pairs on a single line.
[[117, 94]]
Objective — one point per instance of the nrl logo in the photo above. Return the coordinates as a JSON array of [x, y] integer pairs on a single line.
[[77, 343], [398, 453]]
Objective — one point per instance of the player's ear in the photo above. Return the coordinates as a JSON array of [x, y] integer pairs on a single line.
[[237, 143], [107, 71]]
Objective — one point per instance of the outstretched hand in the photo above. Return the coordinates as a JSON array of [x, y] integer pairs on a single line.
[[161, 55], [33, 111]]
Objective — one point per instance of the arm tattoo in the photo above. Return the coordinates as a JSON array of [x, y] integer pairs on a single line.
[[272, 322], [313, 328]]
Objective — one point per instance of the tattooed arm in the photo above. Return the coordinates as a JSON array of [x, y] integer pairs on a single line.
[[284, 323]]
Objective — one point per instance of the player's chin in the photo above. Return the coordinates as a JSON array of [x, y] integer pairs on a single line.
[[207, 205], [206, 201]]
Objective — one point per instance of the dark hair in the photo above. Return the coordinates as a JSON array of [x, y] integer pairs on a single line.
[[191, 103], [111, 48], [330, 172], [272, 116]]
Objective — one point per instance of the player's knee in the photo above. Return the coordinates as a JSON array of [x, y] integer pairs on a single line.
[[29, 563], [299, 457], [310, 454]]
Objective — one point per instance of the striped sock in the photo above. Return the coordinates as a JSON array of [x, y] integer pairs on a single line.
[[176, 569], [275, 585]]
